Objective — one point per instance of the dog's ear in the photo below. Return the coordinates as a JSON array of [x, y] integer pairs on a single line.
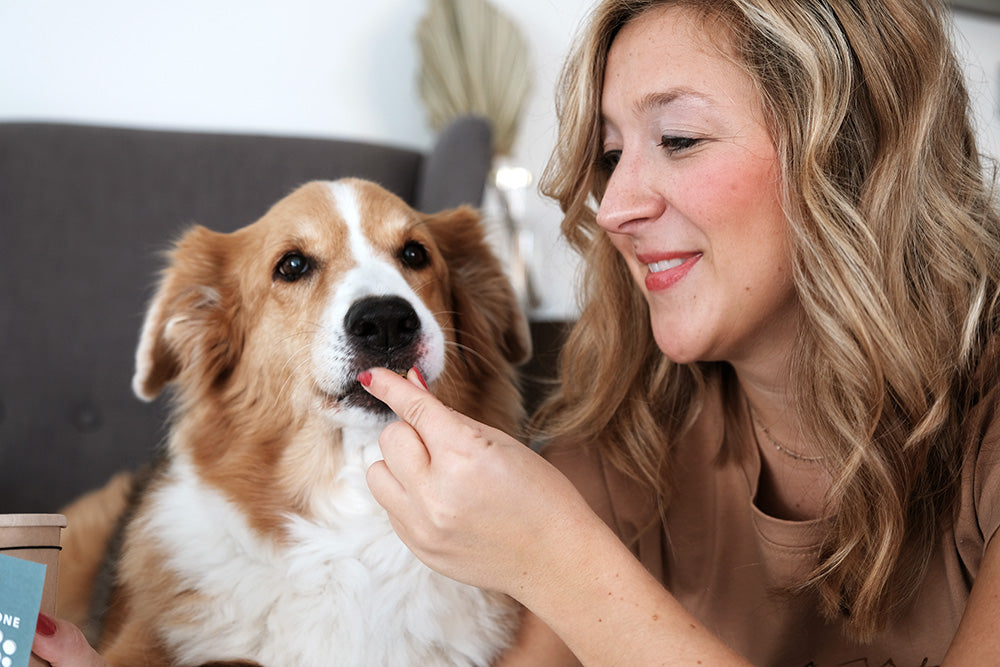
[[484, 301], [190, 324]]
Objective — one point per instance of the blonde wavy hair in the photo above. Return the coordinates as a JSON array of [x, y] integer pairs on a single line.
[[895, 239]]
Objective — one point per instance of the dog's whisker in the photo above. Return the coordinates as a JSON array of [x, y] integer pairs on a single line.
[[292, 377], [418, 288], [295, 354], [492, 366], [301, 332]]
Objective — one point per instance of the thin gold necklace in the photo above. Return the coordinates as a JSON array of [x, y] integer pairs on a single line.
[[777, 445]]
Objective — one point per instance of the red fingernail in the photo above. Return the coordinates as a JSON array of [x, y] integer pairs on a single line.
[[45, 626], [421, 378], [365, 378]]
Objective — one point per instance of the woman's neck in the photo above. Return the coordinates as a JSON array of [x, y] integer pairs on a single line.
[[794, 480]]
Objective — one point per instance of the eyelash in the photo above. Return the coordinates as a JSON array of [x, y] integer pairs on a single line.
[[674, 144], [671, 145]]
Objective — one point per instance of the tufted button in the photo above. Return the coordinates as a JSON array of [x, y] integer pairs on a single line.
[[87, 418]]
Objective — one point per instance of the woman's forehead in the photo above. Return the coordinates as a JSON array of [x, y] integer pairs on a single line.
[[663, 60]]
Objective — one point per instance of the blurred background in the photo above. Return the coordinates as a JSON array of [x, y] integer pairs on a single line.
[[322, 68]]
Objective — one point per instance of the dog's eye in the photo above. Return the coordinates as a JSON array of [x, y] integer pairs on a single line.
[[414, 255], [292, 266]]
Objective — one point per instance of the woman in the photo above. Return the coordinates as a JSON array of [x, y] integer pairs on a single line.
[[780, 390], [776, 409]]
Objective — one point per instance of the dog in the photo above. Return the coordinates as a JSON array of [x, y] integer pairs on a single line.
[[255, 540]]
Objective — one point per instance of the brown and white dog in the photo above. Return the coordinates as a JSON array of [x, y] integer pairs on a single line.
[[256, 537]]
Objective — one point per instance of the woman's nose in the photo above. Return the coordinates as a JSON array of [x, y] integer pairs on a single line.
[[629, 197]]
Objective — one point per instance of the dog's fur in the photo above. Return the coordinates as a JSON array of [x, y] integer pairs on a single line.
[[256, 537]]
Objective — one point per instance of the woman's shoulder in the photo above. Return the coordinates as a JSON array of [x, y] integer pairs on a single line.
[[978, 515], [983, 445]]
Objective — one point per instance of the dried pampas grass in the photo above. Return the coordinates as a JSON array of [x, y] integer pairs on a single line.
[[474, 60]]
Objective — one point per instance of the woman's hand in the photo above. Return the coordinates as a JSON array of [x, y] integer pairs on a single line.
[[63, 644], [480, 507], [467, 499]]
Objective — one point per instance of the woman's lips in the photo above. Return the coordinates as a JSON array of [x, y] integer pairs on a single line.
[[664, 271]]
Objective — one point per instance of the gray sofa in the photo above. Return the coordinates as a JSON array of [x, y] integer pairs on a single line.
[[85, 213]]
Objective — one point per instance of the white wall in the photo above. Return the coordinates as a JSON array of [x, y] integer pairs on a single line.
[[978, 44], [339, 68]]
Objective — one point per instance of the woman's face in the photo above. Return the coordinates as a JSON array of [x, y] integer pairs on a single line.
[[692, 203]]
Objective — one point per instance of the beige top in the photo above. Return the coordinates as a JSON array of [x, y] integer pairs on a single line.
[[723, 558]]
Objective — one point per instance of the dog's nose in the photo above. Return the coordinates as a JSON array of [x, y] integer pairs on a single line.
[[382, 323]]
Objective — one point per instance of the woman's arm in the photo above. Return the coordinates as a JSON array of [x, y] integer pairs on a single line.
[[535, 645], [977, 641], [477, 506], [610, 611]]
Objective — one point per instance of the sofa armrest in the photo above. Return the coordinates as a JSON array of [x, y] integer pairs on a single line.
[[456, 169]]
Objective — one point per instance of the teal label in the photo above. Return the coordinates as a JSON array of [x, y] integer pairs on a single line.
[[21, 584]]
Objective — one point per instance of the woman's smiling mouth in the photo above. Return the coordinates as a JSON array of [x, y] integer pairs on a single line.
[[664, 273]]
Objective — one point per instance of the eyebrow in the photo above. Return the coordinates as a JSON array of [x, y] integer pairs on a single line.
[[653, 101]]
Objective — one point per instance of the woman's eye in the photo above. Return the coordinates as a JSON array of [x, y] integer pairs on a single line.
[[674, 144], [414, 255], [609, 160], [292, 266]]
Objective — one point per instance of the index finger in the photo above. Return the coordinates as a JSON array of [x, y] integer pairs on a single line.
[[412, 403]]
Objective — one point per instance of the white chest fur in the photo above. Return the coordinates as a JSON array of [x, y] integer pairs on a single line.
[[344, 592]]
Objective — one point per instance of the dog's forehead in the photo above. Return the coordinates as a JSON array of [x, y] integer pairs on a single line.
[[337, 212], [309, 208], [371, 212]]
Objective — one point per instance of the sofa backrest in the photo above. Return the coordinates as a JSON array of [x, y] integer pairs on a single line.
[[85, 213]]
